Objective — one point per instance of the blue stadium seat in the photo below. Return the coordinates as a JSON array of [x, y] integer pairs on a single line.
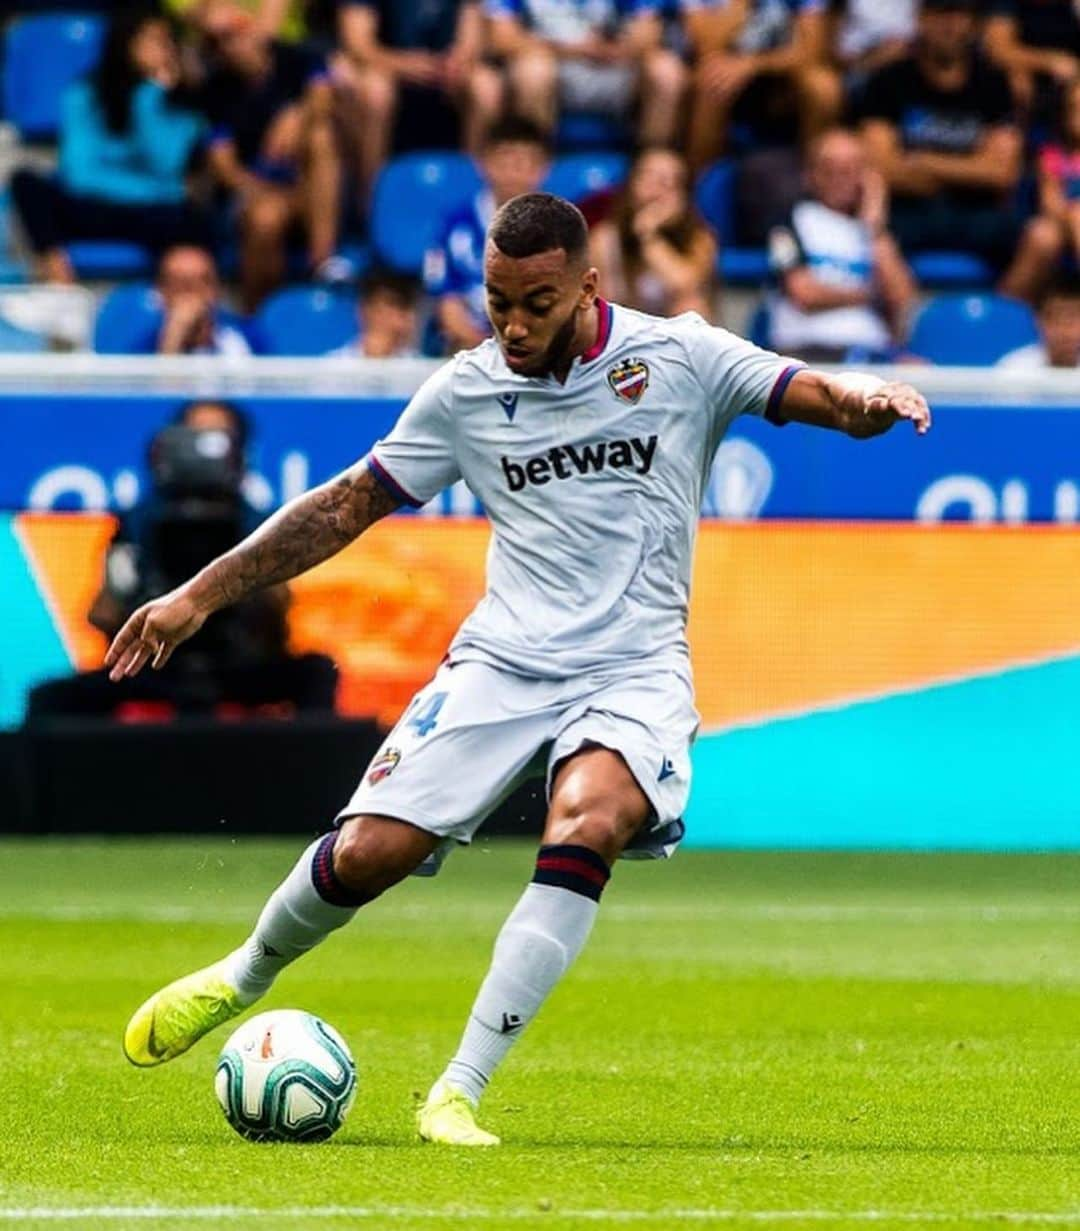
[[971, 329], [577, 176], [714, 195], [125, 317], [582, 130], [305, 320], [109, 259], [16, 341], [412, 195], [946, 270], [744, 266], [42, 55]]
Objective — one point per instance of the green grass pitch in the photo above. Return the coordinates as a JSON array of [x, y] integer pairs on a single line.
[[800, 1040]]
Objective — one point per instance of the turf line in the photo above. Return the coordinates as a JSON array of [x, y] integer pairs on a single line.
[[210, 1213]]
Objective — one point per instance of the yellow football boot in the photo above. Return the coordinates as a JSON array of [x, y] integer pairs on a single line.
[[449, 1119], [179, 1015]]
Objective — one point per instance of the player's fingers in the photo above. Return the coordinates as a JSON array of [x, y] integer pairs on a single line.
[[139, 658], [163, 654], [123, 639]]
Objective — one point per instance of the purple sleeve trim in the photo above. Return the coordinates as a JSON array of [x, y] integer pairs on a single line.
[[390, 483], [772, 406]]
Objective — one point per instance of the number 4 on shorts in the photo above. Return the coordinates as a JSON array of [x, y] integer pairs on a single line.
[[427, 711]]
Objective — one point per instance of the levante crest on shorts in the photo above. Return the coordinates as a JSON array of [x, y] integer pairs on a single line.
[[383, 766], [629, 379]]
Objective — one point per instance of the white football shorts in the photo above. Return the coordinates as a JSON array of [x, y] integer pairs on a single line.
[[475, 733]]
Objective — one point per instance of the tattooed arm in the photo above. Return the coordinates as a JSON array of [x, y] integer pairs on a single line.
[[306, 531]]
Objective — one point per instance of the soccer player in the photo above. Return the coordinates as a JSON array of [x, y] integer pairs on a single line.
[[587, 431]]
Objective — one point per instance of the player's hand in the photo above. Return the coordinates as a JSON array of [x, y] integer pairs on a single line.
[[153, 632], [895, 401]]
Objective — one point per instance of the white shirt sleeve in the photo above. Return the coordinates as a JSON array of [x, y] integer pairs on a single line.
[[418, 459], [738, 377]]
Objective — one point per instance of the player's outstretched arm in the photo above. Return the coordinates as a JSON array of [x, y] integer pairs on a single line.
[[301, 534], [852, 402]]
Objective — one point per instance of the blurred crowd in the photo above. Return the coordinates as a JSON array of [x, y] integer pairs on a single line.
[[249, 135]]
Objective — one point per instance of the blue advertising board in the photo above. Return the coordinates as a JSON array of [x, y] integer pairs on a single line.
[[980, 463]]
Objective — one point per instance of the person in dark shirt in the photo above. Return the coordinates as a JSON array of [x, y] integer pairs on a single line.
[[274, 146], [1037, 43], [940, 127], [428, 52]]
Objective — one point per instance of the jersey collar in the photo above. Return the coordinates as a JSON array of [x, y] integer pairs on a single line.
[[603, 331]]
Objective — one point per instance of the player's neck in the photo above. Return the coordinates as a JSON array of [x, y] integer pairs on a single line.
[[586, 336]]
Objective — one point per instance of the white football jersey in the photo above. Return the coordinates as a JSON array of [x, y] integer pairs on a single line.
[[593, 487]]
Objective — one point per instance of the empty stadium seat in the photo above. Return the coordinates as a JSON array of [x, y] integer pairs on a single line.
[[108, 259], [125, 317], [305, 320], [582, 130], [412, 195], [714, 195], [971, 329], [16, 341], [946, 270], [42, 55], [577, 176]]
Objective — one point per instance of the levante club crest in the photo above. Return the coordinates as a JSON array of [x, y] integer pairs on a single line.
[[629, 380], [383, 766]]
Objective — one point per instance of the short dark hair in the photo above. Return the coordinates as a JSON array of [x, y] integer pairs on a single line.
[[539, 222], [516, 129], [402, 287]]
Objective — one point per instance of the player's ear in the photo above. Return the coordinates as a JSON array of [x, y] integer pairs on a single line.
[[590, 280]]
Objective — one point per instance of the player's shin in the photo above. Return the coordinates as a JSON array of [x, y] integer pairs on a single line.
[[306, 907], [545, 932]]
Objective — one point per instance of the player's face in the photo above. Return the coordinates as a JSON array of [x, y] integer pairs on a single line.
[[535, 305]]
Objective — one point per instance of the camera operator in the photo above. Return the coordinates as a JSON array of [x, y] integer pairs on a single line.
[[195, 511]]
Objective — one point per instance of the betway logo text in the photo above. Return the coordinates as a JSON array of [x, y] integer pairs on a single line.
[[566, 461]]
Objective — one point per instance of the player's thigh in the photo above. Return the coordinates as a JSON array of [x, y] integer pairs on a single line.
[[650, 723], [464, 742], [595, 802]]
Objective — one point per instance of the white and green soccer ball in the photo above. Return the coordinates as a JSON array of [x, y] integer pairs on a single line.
[[285, 1076]]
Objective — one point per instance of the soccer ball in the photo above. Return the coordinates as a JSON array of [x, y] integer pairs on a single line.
[[285, 1076]]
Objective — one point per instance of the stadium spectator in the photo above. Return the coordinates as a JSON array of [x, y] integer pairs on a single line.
[[867, 34], [1059, 178], [195, 509], [843, 284], [275, 147], [387, 316], [514, 159], [761, 64], [655, 253], [291, 21], [193, 318], [423, 53], [594, 56], [1037, 43], [125, 149], [940, 126], [1059, 329]]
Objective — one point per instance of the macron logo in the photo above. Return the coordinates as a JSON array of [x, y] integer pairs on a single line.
[[566, 461]]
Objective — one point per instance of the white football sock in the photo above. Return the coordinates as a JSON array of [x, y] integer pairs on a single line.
[[546, 930], [295, 918]]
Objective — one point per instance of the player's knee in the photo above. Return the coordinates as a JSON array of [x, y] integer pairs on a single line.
[[533, 72], [601, 813], [373, 853]]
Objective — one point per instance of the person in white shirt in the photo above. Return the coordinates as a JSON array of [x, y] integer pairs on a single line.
[[194, 321], [843, 283], [587, 431], [1059, 330]]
